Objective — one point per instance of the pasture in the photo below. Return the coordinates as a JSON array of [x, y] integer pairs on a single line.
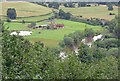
[[52, 37], [30, 12], [93, 11], [35, 18], [24, 9]]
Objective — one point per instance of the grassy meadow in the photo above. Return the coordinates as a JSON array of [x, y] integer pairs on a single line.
[[36, 18], [24, 9], [52, 37], [93, 11]]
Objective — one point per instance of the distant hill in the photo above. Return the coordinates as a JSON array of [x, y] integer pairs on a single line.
[[67, 0], [100, 11], [24, 9]]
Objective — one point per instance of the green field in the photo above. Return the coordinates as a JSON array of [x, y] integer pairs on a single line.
[[52, 37], [32, 12], [36, 18], [93, 11], [24, 9], [27, 9]]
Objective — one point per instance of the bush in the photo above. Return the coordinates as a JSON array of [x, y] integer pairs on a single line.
[[32, 25], [109, 36], [81, 4], [94, 22], [108, 43], [63, 15], [110, 7], [69, 4], [54, 5], [111, 14], [23, 21], [8, 20], [113, 52]]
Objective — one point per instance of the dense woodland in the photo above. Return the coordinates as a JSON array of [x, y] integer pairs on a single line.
[[23, 60]]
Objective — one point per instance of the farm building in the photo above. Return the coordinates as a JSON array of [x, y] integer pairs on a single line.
[[48, 26], [40, 26], [57, 26], [60, 25]]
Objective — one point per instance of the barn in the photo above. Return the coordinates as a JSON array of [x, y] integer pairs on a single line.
[[40, 26], [60, 25]]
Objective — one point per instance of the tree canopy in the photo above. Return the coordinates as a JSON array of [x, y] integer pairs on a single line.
[[11, 13]]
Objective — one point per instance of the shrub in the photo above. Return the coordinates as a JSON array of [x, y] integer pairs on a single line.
[[111, 14], [32, 25], [110, 7], [8, 20]]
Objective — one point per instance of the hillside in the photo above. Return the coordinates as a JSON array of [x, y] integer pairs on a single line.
[[93, 11], [53, 37], [24, 9]]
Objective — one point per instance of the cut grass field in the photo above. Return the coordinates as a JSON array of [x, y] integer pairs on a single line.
[[24, 9], [93, 11], [30, 19], [36, 18], [52, 37]]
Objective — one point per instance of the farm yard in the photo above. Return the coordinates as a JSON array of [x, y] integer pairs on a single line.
[[52, 37]]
